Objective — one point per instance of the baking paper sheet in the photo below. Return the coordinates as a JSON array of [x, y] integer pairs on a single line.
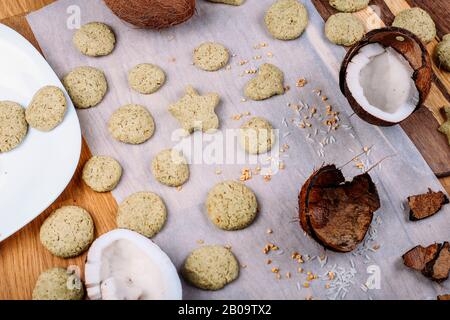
[[311, 57]]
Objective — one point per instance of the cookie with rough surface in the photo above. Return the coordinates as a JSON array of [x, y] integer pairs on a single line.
[[86, 86], [286, 19], [58, 284], [445, 127], [94, 39], [418, 21], [267, 83], [211, 56], [131, 124], [143, 212], [443, 53], [349, 5], [101, 173], [170, 168], [196, 112], [67, 232], [231, 205], [210, 267], [47, 108], [256, 135], [344, 29], [231, 2], [13, 125], [146, 78]]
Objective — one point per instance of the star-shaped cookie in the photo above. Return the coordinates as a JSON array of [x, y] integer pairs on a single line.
[[445, 127], [196, 112]]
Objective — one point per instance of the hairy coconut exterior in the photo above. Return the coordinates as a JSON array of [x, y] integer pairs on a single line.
[[407, 44], [337, 214], [155, 14]]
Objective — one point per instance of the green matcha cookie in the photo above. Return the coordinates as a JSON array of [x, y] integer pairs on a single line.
[[418, 21], [13, 125], [146, 78], [102, 174], [131, 124], [58, 284], [286, 19], [344, 29], [94, 39], [143, 212], [231, 205], [211, 56], [67, 232], [170, 168], [445, 127], [256, 136], [211, 267], [443, 53], [86, 86], [47, 108], [196, 112], [267, 83], [349, 5]]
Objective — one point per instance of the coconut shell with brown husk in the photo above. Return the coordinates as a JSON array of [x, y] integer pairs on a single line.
[[386, 76], [335, 212], [154, 14]]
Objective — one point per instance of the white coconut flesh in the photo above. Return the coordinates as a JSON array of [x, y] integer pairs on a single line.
[[381, 81], [124, 265]]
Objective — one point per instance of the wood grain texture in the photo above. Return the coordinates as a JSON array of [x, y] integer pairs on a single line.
[[421, 128], [9, 8], [23, 257]]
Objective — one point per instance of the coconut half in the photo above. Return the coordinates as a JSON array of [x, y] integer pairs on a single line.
[[124, 265], [386, 76]]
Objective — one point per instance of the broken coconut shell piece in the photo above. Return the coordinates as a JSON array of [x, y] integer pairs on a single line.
[[426, 205], [335, 212], [444, 297], [386, 76], [433, 261]]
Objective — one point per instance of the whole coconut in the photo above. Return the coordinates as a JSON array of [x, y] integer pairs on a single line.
[[155, 14]]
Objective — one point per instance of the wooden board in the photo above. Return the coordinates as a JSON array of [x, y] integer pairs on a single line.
[[22, 256]]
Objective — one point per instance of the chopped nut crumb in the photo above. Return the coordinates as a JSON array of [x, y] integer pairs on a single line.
[[269, 231], [269, 261], [200, 241], [246, 174], [301, 83], [267, 178], [275, 270], [288, 275], [306, 285]]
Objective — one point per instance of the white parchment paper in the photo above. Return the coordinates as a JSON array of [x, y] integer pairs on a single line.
[[311, 57]]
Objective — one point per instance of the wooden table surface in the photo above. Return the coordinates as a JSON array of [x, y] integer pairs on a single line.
[[22, 257]]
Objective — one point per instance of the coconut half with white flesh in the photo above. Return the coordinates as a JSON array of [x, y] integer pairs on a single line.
[[124, 265], [386, 76]]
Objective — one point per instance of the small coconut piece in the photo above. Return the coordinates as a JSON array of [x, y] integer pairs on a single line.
[[155, 14], [124, 265], [336, 213], [386, 76], [433, 261], [426, 205]]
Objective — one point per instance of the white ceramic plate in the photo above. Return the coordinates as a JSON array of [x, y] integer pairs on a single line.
[[34, 174]]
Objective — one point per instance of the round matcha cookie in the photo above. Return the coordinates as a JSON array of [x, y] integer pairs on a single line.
[[86, 86], [102, 174], [143, 212], [256, 135], [67, 232], [47, 108], [131, 124], [443, 53], [58, 284], [211, 56], [170, 168], [418, 21], [349, 5], [210, 267], [286, 19], [146, 78], [344, 29], [231, 205], [94, 39], [13, 125]]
